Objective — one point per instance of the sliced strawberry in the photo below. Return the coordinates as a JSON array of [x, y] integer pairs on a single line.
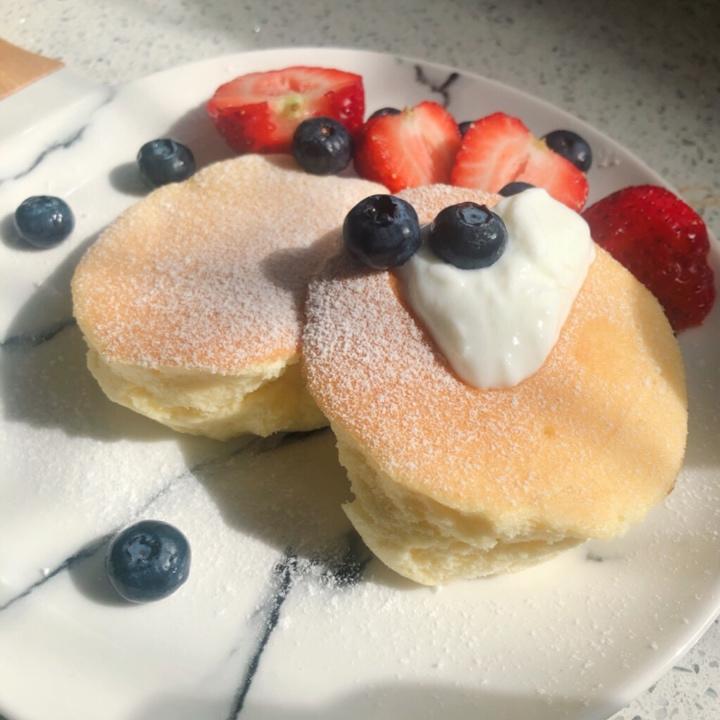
[[259, 112], [545, 168], [414, 147], [493, 152], [664, 243], [499, 149]]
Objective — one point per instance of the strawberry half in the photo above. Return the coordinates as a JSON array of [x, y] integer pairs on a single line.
[[499, 149], [563, 180], [664, 243], [259, 112], [493, 152], [414, 147]]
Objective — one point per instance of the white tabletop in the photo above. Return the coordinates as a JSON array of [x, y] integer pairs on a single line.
[[647, 77]]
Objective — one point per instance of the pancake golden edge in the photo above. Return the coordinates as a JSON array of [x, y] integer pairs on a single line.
[[453, 482], [191, 301]]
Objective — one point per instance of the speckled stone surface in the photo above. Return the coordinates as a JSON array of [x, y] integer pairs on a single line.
[[647, 73]]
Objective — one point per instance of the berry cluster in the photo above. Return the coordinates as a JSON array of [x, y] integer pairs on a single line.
[[317, 114]]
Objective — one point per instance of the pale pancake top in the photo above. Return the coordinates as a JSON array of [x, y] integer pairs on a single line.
[[211, 274], [584, 446]]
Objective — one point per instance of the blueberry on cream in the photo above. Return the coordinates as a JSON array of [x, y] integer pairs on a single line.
[[468, 236], [497, 324]]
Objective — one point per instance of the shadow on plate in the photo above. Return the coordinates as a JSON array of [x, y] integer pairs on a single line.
[[287, 491], [196, 130], [126, 179], [288, 268], [398, 701], [90, 578], [11, 239]]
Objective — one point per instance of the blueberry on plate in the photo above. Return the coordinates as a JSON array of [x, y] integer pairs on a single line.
[[463, 127], [382, 231], [513, 188], [468, 236], [148, 561], [322, 146], [165, 161], [44, 220], [571, 146], [384, 111]]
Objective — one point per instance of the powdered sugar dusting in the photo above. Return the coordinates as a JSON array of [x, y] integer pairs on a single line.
[[561, 447], [429, 200], [211, 274]]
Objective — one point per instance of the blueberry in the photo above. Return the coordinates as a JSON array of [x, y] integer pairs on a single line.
[[571, 146], [148, 561], [463, 127], [382, 231], [165, 161], [384, 111], [322, 146], [44, 220], [513, 188], [468, 236]]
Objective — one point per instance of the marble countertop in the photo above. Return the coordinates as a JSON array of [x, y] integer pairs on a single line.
[[650, 80]]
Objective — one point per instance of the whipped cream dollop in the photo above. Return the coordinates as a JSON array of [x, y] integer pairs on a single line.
[[497, 325]]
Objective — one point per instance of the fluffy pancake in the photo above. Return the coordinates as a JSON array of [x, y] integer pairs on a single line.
[[452, 481], [191, 301]]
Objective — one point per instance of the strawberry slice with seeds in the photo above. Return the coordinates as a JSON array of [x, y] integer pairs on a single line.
[[664, 243], [499, 149], [260, 111], [563, 180], [414, 147], [493, 153]]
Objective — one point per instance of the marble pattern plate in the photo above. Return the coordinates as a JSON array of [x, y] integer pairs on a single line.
[[285, 614]]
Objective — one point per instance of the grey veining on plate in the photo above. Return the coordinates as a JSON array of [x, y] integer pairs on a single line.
[[439, 87], [647, 78], [33, 339], [65, 141]]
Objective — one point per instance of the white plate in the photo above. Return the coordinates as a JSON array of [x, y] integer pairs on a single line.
[[283, 615]]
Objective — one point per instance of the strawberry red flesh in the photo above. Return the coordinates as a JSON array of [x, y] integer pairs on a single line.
[[664, 243], [493, 152], [415, 147], [563, 180], [499, 149], [259, 112]]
